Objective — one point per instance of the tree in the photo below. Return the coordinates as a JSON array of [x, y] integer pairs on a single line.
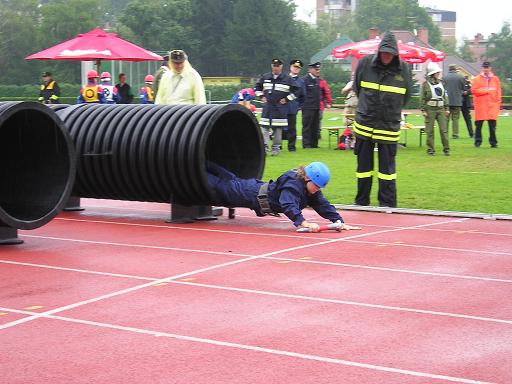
[[465, 52], [209, 20], [331, 27], [18, 33], [159, 25], [500, 46], [62, 20], [265, 29], [389, 15]]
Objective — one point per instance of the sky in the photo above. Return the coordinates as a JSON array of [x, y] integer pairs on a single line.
[[473, 16]]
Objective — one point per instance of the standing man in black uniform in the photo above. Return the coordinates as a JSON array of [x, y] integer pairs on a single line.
[[275, 90], [311, 107], [50, 91], [467, 105], [295, 105], [383, 86]]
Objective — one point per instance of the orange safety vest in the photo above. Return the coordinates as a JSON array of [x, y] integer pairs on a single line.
[[90, 93]]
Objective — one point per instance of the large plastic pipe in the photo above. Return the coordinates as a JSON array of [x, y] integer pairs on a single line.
[[159, 152], [37, 165]]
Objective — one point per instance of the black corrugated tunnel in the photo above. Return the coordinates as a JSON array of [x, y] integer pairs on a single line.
[[159, 152], [37, 165]]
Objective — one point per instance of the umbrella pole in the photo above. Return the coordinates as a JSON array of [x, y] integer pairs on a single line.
[[98, 65]]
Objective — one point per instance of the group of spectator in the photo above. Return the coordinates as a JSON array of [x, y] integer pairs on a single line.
[[380, 87], [283, 95], [443, 100]]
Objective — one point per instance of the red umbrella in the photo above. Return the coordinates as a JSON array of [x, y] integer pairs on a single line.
[[95, 45], [408, 52]]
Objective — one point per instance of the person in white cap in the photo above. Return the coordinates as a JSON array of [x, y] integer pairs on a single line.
[[435, 106]]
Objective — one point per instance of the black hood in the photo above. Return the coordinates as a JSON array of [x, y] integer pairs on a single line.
[[388, 44]]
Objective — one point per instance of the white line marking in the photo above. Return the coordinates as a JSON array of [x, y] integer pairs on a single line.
[[138, 245], [77, 270], [254, 348], [206, 269], [312, 298], [433, 247], [186, 274], [426, 273], [189, 228], [353, 303]]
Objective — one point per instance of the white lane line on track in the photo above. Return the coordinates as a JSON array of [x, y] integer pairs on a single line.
[[315, 236], [195, 272], [311, 218], [279, 294], [164, 280], [191, 228], [305, 261], [353, 303], [136, 245], [109, 274], [246, 255], [255, 348], [432, 247]]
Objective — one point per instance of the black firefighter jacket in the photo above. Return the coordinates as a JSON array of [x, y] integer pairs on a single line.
[[382, 91], [274, 114]]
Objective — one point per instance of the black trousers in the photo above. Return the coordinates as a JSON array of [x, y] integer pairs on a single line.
[[310, 127], [466, 113], [292, 131], [364, 150], [492, 132]]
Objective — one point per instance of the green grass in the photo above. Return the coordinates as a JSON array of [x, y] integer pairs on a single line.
[[470, 180]]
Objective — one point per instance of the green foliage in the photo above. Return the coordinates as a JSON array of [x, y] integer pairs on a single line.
[[465, 52], [330, 28], [500, 52], [261, 30], [389, 15], [159, 24], [18, 27]]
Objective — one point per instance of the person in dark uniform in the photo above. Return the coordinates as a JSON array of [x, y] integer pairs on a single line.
[[289, 194], [311, 107], [275, 89], [124, 90], [50, 91], [383, 86], [467, 105], [294, 105]]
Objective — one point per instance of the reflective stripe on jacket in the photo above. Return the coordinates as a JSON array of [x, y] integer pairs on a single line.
[[382, 92], [274, 89]]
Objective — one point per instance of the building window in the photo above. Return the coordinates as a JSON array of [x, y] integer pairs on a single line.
[[417, 67]]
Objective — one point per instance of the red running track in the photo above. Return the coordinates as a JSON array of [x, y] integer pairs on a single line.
[[114, 294]]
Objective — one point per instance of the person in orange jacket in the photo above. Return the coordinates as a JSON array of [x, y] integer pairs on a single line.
[[486, 89]]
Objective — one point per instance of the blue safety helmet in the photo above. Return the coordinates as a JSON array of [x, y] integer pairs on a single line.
[[318, 173]]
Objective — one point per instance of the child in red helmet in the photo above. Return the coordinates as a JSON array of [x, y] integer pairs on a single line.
[[92, 92], [110, 92], [146, 93]]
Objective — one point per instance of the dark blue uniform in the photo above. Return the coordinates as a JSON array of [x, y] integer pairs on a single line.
[[293, 109], [286, 195]]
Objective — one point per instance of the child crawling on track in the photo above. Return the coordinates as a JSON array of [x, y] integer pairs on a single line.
[[293, 191]]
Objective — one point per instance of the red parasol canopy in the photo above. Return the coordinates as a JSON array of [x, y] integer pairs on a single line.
[[95, 45], [409, 52]]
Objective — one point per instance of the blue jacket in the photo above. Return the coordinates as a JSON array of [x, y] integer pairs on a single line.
[[286, 195], [295, 105]]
